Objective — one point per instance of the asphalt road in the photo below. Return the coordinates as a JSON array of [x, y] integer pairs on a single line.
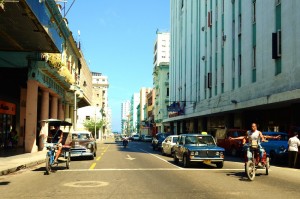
[[139, 172]]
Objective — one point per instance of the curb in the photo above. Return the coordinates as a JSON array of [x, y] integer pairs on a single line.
[[20, 167]]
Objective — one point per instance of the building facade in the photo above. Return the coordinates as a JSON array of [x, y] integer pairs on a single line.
[[135, 101], [100, 100], [125, 116], [46, 62], [161, 80], [233, 63]]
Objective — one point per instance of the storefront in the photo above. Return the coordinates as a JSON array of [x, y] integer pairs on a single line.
[[7, 122]]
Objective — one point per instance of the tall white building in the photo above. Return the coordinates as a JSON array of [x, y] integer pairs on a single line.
[[135, 101], [161, 79], [125, 116], [161, 48], [234, 62]]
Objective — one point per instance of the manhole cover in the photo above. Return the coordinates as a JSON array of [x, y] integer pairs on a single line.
[[86, 184]]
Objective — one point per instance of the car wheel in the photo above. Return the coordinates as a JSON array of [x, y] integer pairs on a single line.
[[175, 158], [272, 157], [220, 165], [233, 151], [186, 161]]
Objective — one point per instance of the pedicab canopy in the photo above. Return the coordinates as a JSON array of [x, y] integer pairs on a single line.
[[67, 137]]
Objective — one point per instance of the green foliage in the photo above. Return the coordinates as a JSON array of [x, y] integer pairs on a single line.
[[90, 125]]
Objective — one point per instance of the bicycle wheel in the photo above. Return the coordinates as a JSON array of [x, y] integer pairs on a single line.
[[48, 165], [68, 161], [267, 165], [250, 170]]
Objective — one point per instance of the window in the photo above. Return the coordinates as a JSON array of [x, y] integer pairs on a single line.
[[209, 80], [276, 44], [254, 11], [209, 19], [240, 65], [254, 57], [167, 92], [240, 24]]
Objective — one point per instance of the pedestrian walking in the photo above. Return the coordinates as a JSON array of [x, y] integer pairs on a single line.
[[294, 143]]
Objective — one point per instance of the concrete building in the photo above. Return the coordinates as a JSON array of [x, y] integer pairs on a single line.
[[100, 99], [40, 64], [161, 80], [143, 110], [135, 101], [125, 115], [233, 63]]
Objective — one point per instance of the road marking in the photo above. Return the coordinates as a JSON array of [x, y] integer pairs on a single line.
[[161, 159], [86, 184], [92, 166], [153, 169], [98, 158], [129, 157]]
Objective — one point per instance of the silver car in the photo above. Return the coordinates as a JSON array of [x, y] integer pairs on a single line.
[[168, 144]]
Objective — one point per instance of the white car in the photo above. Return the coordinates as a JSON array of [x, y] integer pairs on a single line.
[[168, 143], [136, 137]]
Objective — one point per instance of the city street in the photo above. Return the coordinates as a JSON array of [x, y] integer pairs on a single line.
[[139, 172]]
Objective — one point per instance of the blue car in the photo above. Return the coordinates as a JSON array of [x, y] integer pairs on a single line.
[[198, 148], [277, 149]]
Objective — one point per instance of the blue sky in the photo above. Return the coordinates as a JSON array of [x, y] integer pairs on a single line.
[[117, 38]]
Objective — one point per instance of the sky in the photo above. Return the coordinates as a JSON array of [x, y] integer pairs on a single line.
[[117, 39]]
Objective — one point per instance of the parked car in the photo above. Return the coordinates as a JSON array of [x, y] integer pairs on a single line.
[[158, 139], [147, 138], [168, 143], [136, 137], [277, 149], [83, 144], [198, 148], [232, 147]]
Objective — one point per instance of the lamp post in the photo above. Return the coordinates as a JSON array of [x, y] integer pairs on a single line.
[[95, 123], [76, 89]]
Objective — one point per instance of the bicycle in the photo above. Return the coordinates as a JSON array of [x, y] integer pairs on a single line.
[[256, 162], [51, 153]]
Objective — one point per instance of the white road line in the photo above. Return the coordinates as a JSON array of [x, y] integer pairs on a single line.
[[161, 159], [151, 169]]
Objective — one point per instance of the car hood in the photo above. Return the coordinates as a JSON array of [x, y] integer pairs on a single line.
[[204, 148]]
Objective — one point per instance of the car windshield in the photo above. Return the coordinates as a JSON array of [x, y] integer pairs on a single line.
[[200, 140], [175, 139], [81, 136], [238, 133]]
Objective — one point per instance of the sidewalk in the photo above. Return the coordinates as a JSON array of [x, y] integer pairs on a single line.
[[16, 160]]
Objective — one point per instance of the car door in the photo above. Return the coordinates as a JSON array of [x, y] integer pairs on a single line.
[[181, 147]]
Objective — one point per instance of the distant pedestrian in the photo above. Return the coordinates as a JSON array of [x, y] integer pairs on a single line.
[[294, 143]]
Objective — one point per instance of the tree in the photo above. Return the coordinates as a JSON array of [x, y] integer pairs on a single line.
[[90, 125]]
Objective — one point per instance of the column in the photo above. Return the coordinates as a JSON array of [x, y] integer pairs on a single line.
[[44, 115], [54, 107], [61, 114], [67, 110], [31, 116], [72, 114]]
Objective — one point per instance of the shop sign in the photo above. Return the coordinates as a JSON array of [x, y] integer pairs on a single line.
[[7, 108]]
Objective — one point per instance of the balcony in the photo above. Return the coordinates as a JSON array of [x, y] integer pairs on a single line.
[[38, 21]]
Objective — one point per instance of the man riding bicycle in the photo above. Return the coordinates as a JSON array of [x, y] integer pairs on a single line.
[[254, 138], [57, 137]]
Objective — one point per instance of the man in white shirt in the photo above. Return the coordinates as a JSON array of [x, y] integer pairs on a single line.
[[294, 143]]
